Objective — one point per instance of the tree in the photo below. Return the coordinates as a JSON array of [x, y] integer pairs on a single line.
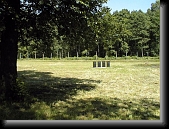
[[123, 32], [32, 19], [8, 47], [139, 28], [154, 33]]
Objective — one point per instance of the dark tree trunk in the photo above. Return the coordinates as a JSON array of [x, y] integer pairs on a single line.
[[8, 50]]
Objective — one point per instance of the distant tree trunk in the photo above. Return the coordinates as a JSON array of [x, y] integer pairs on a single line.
[[98, 50], [142, 54], [8, 50]]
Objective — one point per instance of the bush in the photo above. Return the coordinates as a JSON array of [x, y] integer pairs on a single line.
[[21, 90]]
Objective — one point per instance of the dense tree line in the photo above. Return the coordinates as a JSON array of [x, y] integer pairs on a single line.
[[133, 33], [43, 25], [71, 26]]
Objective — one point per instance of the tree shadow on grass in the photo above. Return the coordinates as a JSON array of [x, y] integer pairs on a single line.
[[43, 87], [57, 94], [114, 109]]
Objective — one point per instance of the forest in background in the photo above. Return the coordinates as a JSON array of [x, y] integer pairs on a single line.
[[74, 27], [131, 33]]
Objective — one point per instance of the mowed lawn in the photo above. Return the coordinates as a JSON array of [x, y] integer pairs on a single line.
[[74, 90]]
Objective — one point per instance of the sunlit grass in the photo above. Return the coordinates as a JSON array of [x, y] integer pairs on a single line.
[[74, 90]]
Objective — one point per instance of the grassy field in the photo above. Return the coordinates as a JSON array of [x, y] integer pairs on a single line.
[[74, 90]]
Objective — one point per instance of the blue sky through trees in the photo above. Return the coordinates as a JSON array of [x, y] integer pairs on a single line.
[[129, 4]]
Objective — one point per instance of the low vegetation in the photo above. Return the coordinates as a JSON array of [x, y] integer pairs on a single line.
[[74, 90]]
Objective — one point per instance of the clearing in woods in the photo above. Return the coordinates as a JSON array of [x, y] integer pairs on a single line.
[[74, 90]]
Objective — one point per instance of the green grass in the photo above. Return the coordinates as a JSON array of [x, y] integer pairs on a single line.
[[74, 90]]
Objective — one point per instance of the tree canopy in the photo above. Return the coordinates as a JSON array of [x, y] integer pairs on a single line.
[[79, 26], [71, 26]]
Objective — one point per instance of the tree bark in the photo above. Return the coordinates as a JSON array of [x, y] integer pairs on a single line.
[[8, 50]]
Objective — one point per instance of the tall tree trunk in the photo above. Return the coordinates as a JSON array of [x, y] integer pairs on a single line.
[[1, 79], [8, 50]]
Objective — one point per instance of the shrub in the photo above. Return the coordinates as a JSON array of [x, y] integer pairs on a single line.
[[21, 90]]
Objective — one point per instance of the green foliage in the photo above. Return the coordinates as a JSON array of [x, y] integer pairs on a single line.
[[95, 22], [98, 30], [84, 52], [21, 90], [59, 27]]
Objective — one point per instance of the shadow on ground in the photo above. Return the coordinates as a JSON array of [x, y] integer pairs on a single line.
[[114, 109], [42, 86], [57, 95]]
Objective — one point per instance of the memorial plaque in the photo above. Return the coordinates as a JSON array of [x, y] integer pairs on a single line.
[[99, 63], [94, 63], [103, 64], [108, 63]]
